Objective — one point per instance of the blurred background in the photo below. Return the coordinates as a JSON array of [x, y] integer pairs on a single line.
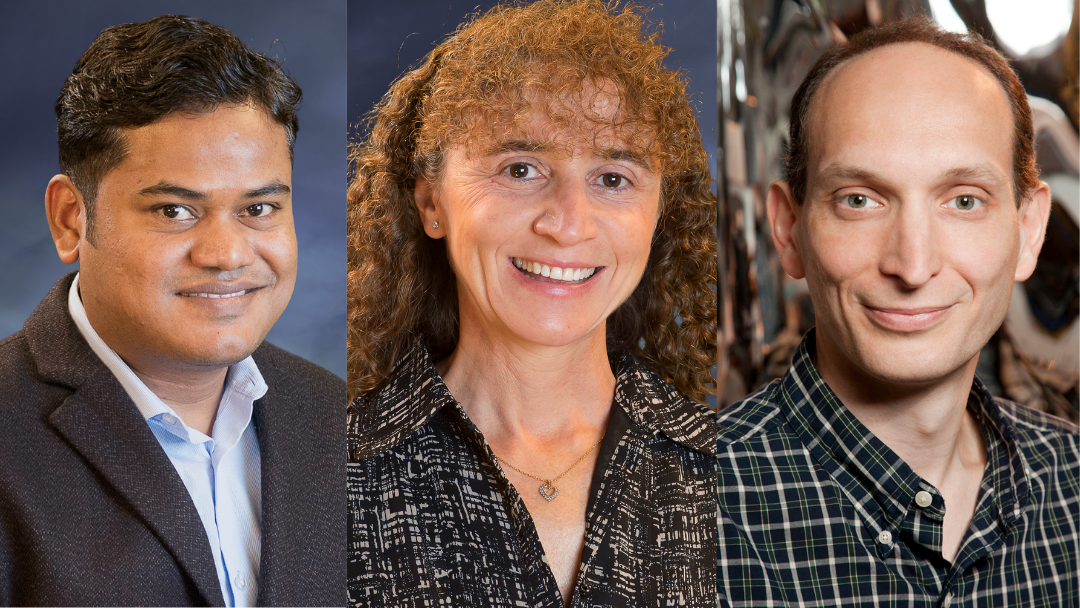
[[41, 42], [765, 48]]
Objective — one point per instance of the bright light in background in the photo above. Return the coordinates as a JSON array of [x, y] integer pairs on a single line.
[[946, 16], [1023, 26]]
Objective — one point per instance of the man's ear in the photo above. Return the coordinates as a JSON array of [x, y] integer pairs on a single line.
[[780, 206], [66, 213], [425, 197], [1034, 213]]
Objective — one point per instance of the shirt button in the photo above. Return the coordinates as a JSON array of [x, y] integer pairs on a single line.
[[948, 600], [169, 419], [885, 537], [240, 582], [923, 498]]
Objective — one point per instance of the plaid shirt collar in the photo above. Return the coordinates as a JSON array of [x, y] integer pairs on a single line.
[[880, 485], [648, 401]]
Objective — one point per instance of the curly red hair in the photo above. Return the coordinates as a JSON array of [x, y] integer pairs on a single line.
[[473, 87]]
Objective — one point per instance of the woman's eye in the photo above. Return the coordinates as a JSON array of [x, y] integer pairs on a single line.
[[612, 180], [965, 203], [860, 201], [259, 209], [176, 212], [521, 171]]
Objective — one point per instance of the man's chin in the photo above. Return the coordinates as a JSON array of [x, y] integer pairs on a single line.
[[215, 354], [915, 370]]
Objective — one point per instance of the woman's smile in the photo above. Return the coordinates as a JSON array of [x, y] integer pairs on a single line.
[[543, 272]]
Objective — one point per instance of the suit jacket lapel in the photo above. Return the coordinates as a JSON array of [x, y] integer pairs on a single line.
[[303, 489], [101, 422]]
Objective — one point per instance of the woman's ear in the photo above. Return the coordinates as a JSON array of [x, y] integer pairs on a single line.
[[426, 199]]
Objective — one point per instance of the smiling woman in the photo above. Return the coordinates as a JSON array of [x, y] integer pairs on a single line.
[[537, 198]]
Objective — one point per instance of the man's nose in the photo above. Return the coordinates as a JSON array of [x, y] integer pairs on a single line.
[[912, 248], [222, 243], [568, 214]]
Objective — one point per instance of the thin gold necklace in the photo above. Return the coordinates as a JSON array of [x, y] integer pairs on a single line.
[[548, 489]]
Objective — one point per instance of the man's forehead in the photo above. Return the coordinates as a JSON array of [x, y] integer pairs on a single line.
[[905, 69], [909, 100]]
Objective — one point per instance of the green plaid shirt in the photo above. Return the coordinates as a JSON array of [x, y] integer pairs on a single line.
[[814, 510]]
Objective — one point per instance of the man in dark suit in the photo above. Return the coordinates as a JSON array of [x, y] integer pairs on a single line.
[[158, 452]]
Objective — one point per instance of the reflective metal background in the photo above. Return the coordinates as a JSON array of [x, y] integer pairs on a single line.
[[765, 47]]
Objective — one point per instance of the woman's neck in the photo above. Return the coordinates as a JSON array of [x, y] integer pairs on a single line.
[[512, 389]]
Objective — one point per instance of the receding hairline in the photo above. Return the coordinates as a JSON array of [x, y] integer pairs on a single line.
[[824, 87]]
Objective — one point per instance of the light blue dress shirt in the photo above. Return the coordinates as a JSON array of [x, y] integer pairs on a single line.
[[222, 473]]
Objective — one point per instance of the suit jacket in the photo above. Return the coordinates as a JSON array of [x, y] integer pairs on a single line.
[[92, 511]]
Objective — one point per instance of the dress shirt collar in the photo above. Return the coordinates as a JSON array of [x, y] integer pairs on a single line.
[[867, 468], [420, 393], [244, 384]]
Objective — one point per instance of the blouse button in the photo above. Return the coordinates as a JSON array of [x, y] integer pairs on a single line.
[[885, 537], [923, 498]]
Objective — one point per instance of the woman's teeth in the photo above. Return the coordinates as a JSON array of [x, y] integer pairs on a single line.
[[569, 275]]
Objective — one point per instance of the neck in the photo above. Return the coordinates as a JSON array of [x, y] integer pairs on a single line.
[[927, 424], [193, 393], [511, 389]]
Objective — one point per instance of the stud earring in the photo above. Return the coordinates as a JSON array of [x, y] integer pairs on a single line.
[[435, 224]]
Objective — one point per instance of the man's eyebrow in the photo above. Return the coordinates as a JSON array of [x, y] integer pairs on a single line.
[[846, 173], [273, 189], [980, 172], [167, 189]]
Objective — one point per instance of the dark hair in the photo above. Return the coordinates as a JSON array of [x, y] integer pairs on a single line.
[[915, 29], [135, 73], [474, 84]]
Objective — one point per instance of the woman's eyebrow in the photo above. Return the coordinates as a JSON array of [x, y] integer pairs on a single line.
[[516, 145], [625, 155]]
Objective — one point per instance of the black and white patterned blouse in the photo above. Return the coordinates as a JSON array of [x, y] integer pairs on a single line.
[[433, 520]]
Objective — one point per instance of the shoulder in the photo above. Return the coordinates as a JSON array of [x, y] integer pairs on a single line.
[[1047, 441], [14, 352], [383, 418], [754, 416], [654, 404], [18, 379], [298, 377]]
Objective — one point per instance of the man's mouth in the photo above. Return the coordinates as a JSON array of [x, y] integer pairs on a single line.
[[553, 273], [908, 319], [220, 290], [235, 294]]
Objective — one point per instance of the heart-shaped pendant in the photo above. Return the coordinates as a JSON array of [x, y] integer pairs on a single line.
[[548, 491]]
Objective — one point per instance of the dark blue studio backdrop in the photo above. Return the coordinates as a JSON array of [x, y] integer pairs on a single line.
[[40, 43], [388, 38]]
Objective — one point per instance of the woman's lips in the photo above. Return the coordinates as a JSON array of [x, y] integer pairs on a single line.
[[555, 274], [908, 319]]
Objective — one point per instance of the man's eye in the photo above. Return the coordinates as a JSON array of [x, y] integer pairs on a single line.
[[521, 171], [860, 201], [613, 180], [965, 203], [176, 212], [259, 209]]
